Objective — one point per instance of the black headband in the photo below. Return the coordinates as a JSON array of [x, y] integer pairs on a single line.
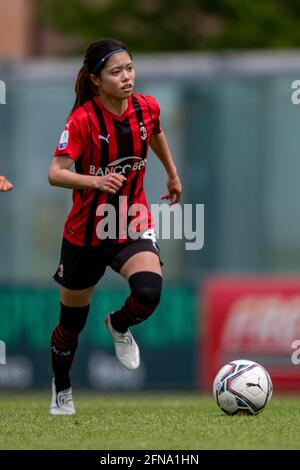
[[101, 61]]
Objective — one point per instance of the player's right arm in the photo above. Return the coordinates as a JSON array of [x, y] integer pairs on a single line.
[[72, 145], [5, 185], [59, 174]]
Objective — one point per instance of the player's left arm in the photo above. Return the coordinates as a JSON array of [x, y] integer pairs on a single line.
[[159, 145]]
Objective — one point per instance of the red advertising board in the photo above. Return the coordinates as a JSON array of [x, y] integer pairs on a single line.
[[255, 318]]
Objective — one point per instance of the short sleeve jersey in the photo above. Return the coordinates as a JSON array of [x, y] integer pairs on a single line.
[[101, 142]]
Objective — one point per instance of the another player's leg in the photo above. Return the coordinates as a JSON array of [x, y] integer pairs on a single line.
[[64, 341], [143, 273]]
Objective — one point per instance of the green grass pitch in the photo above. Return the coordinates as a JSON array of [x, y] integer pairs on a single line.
[[146, 421]]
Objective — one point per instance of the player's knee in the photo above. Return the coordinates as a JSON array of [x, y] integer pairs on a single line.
[[146, 288], [148, 296]]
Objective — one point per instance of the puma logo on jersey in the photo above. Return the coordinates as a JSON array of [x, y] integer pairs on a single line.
[[102, 137]]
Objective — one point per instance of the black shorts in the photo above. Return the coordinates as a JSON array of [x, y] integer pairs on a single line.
[[81, 267]]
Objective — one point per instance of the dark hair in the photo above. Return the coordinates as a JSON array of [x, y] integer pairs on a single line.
[[92, 63]]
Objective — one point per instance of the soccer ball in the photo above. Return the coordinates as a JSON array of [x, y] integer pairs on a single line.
[[242, 387]]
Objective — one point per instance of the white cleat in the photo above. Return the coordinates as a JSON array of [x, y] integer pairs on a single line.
[[127, 351], [62, 402]]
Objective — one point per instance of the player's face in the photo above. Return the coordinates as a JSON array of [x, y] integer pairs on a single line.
[[118, 76]]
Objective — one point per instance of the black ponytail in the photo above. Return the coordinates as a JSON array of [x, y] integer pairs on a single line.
[[84, 87]]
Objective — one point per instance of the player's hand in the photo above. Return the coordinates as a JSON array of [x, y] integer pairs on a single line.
[[5, 185], [110, 183], [174, 190]]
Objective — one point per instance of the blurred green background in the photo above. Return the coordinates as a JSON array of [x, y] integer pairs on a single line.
[[222, 72]]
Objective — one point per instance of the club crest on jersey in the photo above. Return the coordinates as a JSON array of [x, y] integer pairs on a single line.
[[143, 131], [64, 139]]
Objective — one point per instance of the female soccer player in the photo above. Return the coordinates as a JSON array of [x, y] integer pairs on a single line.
[[5, 185], [107, 136]]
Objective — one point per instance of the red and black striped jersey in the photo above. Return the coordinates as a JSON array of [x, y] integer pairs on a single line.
[[101, 142]]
